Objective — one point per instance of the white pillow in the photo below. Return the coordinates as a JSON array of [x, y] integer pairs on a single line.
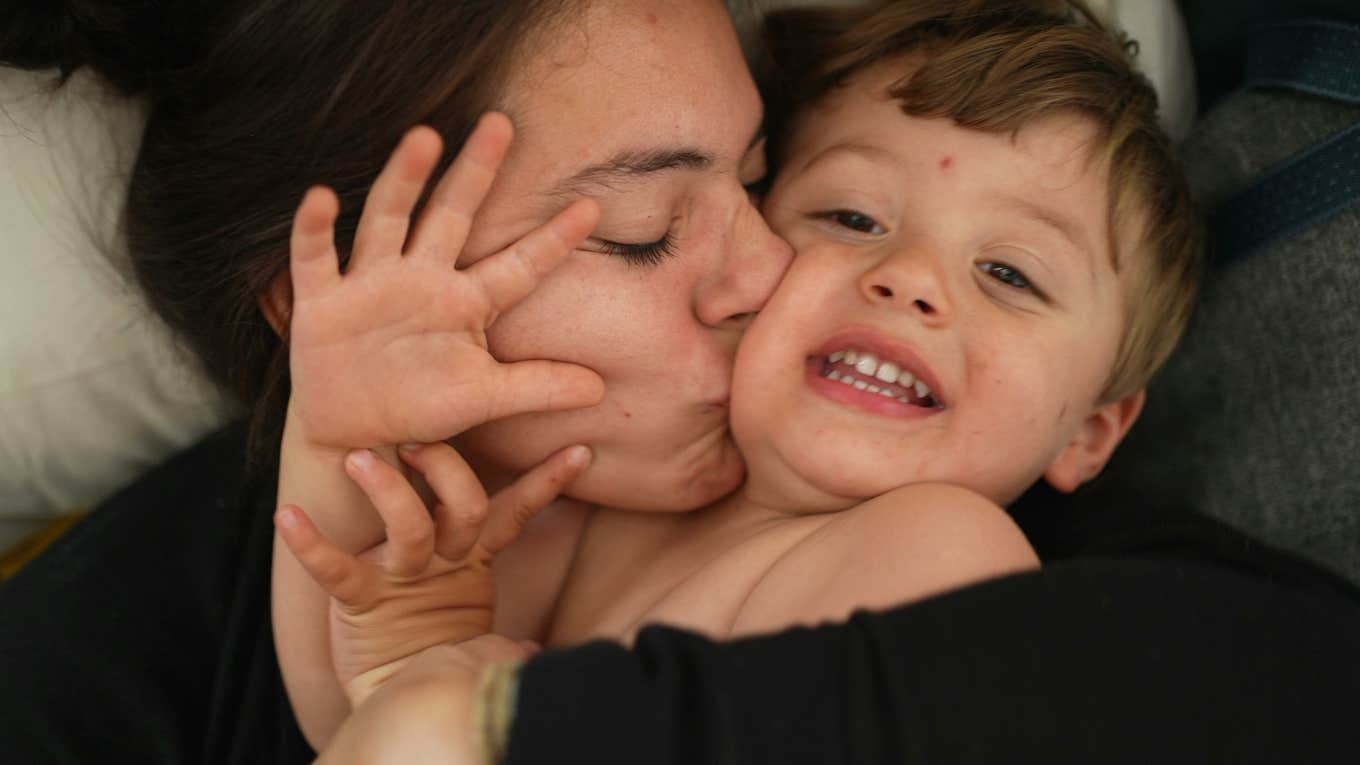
[[93, 391], [1163, 55]]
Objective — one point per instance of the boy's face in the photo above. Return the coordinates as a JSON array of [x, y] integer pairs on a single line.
[[977, 264]]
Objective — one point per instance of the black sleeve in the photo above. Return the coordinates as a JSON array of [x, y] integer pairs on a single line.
[[143, 634], [1089, 660]]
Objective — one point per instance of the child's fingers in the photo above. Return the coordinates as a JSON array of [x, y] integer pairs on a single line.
[[462, 500], [443, 226], [543, 386], [508, 276], [313, 263], [409, 528], [343, 576], [387, 211], [514, 506]]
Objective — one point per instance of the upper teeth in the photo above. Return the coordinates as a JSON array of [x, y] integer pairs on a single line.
[[867, 364]]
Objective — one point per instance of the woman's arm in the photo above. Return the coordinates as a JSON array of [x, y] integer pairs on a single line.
[[393, 350], [1096, 660]]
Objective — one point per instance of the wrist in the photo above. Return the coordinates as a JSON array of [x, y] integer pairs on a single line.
[[297, 437]]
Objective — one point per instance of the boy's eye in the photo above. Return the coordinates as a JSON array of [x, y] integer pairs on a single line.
[[754, 170], [1007, 275], [855, 221], [640, 254], [757, 189]]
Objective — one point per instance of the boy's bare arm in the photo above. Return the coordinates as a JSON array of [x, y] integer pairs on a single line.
[[908, 544], [432, 580], [393, 350], [314, 477]]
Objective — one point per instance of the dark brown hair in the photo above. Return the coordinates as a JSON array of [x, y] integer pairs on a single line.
[[252, 102], [997, 66]]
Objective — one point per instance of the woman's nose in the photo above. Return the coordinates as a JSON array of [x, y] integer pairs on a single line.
[[909, 280], [751, 266]]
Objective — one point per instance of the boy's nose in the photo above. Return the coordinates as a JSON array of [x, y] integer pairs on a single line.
[[753, 263], [909, 281]]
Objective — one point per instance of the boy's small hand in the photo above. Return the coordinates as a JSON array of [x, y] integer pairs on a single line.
[[394, 349], [431, 582]]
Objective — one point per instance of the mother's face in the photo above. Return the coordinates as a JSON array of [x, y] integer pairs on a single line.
[[647, 107]]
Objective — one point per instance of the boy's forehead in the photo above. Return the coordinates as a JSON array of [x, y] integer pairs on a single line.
[[1049, 176], [1047, 156]]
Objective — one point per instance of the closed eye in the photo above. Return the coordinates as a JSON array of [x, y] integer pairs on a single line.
[[641, 254]]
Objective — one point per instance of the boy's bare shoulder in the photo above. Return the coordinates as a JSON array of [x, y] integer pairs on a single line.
[[907, 544]]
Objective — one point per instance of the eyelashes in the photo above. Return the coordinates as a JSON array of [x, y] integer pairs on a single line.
[[643, 254], [853, 220], [1011, 277], [1006, 274]]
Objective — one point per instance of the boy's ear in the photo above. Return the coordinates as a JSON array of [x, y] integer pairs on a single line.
[[276, 303], [1102, 431]]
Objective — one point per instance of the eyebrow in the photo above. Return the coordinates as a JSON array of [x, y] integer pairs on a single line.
[[862, 150], [1063, 224], [631, 165]]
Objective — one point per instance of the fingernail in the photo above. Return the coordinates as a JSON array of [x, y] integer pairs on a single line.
[[409, 448], [578, 456], [360, 459], [287, 519]]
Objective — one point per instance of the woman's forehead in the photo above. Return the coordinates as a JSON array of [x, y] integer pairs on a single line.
[[634, 78]]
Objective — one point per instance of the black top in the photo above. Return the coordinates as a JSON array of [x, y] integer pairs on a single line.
[[143, 635], [1165, 637]]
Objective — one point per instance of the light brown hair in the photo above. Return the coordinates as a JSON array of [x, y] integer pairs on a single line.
[[997, 66]]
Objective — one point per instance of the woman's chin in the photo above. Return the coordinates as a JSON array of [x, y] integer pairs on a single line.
[[661, 484]]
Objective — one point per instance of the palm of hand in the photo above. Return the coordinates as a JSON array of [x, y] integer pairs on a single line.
[[393, 355], [394, 349]]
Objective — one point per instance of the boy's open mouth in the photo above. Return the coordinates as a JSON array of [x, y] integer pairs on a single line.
[[865, 371]]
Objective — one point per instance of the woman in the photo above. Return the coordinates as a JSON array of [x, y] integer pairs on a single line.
[[647, 107]]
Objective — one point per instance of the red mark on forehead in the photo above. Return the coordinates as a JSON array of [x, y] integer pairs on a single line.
[[946, 162], [651, 17]]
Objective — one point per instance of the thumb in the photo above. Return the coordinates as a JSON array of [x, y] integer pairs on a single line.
[[543, 386]]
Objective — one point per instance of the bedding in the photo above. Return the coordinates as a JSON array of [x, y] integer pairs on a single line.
[[1254, 420], [93, 391]]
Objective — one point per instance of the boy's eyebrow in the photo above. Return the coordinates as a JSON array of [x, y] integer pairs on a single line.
[[864, 150], [1056, 219]]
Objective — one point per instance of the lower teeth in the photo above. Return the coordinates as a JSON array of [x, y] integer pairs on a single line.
[[861, 385]]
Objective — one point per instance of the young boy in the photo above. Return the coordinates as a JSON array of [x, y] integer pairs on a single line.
[[995, 251]]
